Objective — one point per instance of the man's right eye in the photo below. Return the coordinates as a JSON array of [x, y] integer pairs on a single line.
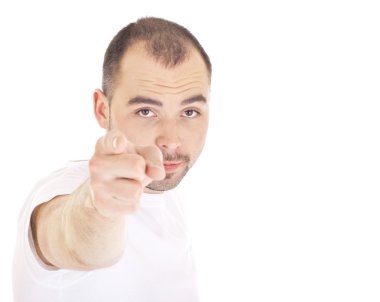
[[145, 113]]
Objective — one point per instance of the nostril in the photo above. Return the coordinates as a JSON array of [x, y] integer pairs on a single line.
[[169, 142], [171, 146]]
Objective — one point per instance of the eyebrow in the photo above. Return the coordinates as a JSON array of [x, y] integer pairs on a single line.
[[138, 100], [194, 99], [143, 100]]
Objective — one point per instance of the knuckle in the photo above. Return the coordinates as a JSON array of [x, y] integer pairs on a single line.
[[137, 163], [136, 189], [128, 191], [95, 164], [100, 143], [132, 191]]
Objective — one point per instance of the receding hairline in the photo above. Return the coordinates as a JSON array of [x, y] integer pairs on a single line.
[[166, 42], [143, 46]]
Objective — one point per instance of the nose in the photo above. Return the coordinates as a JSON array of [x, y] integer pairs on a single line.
[[168, 140]]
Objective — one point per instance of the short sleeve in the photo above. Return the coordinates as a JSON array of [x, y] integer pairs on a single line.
[[60, 182]]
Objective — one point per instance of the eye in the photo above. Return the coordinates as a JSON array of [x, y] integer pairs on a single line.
[[190, 113], [145, 113]]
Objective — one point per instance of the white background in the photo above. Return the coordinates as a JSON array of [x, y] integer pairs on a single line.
[[284, 203]]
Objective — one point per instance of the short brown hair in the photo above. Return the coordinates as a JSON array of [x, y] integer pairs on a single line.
[[166, 41]]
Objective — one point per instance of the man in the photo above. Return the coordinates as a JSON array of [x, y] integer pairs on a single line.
[[111, 229]]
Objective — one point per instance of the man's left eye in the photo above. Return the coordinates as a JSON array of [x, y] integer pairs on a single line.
[[190, 113]]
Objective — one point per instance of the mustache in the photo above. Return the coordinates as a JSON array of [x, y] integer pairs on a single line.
[[176, 157]]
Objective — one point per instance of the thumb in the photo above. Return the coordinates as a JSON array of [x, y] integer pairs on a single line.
[[153, 158]]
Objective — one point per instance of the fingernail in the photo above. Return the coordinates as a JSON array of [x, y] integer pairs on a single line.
[[114, 143], [162, 157], [159, 167]]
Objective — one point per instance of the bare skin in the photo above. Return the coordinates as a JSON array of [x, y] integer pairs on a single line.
[[157, 124]]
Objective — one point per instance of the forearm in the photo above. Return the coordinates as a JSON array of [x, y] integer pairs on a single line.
[[71, 234]]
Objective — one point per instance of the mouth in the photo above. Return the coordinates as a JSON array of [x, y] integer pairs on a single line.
[[172, 166]]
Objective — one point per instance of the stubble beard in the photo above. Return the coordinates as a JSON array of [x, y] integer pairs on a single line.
[[170, 181]]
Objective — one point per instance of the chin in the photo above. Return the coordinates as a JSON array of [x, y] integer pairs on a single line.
[[162, 185], [171, 181]]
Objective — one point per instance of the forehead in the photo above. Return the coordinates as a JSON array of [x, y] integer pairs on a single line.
[[140, 72]]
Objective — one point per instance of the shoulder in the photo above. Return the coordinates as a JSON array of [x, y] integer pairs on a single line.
[[61, 181]]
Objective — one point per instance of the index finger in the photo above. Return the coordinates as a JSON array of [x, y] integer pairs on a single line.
[[114, 142]]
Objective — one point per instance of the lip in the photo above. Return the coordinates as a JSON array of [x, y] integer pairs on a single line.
[[172, 166]]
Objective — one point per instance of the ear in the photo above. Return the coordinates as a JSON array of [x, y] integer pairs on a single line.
[[101, 108]]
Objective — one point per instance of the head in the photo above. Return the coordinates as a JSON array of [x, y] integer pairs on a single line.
[[156, 83]]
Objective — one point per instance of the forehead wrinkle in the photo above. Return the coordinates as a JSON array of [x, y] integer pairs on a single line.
[[170, 88], [166, 92], [148, 78], [185, 90], [153, 83], [178, 86]]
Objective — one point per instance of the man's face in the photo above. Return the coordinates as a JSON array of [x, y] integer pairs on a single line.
[[166, 107]]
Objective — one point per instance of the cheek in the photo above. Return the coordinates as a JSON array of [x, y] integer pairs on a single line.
[[196, 137]]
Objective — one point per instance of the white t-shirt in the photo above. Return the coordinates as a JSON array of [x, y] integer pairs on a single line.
[[157, 265]]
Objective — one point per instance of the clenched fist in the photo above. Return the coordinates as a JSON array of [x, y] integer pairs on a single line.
[[119, 171]]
